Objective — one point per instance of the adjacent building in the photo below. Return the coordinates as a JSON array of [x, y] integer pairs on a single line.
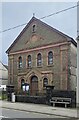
[[3, 75], [41, 55]]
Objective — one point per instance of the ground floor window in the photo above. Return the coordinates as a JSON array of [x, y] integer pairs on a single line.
[[45, 82], [22, 83]]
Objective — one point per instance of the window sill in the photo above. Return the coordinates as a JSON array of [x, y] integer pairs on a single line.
[[44, 88], [19, 68], [39, 66], [52, 65], [29, 67], [33, 32]]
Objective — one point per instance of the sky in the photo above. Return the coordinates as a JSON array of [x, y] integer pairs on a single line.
[[16, 13]]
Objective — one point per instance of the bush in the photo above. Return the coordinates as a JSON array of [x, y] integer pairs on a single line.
[[3, 95]]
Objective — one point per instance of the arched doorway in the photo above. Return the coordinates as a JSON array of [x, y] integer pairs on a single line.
[[34, 85]]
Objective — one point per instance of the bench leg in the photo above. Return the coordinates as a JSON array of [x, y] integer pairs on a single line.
[[53, 104], [65, 105]]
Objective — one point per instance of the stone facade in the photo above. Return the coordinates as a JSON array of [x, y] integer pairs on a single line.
[[29, 60]]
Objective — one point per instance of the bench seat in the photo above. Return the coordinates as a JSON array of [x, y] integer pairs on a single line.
[[60, 100]]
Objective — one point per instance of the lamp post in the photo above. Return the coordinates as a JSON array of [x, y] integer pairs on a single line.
[[77, 92]]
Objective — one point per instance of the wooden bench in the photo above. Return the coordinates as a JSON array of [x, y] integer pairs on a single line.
[[60, 100]]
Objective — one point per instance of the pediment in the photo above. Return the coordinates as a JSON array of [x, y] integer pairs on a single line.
[[42, 34]]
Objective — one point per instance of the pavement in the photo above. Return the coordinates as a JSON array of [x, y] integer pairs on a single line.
[[40, 108]]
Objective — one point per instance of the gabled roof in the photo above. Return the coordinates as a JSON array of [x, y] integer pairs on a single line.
[[35, 19], [2, 66], [6, 66]]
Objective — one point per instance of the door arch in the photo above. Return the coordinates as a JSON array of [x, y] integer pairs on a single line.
[[34, 85]]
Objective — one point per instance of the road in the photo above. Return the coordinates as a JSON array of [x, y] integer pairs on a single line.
[[16, 114]]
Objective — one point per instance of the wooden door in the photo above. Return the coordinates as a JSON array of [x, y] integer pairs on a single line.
[[34, 85]]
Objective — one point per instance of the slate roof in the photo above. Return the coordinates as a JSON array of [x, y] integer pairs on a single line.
[[38, 20], [3, 65], [6, 66]]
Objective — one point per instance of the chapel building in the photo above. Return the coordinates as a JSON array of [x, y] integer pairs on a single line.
[[41, 55]]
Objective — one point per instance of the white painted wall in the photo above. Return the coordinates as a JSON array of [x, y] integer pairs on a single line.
[[3, 75]]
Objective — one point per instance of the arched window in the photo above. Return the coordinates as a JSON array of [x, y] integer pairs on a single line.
[[45, 82], [39, 59], [22, 83], [34, 27], [20, 62], [29, 61], [50, 58]]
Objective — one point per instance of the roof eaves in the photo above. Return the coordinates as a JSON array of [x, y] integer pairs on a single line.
[[74, 42]]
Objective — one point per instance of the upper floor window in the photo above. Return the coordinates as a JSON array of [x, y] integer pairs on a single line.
[[50, 58], [33, 28], [39, 59], [29, 61], [20, 62]]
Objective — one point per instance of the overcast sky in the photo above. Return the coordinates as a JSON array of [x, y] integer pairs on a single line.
[[17, 13]]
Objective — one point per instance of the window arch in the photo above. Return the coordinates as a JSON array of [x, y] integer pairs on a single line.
[[39, 59], [45, 82], [20, 62], [34, 78], [50, 58], [29, 61]]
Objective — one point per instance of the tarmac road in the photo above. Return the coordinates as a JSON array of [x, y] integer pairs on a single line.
[[10, 114]]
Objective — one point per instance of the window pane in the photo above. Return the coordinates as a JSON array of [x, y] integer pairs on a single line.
[[39, 60], [50, 58], [29, 61], [20, 62]]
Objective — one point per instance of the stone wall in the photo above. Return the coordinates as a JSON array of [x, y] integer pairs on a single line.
[[57, 73], [73, 67]]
